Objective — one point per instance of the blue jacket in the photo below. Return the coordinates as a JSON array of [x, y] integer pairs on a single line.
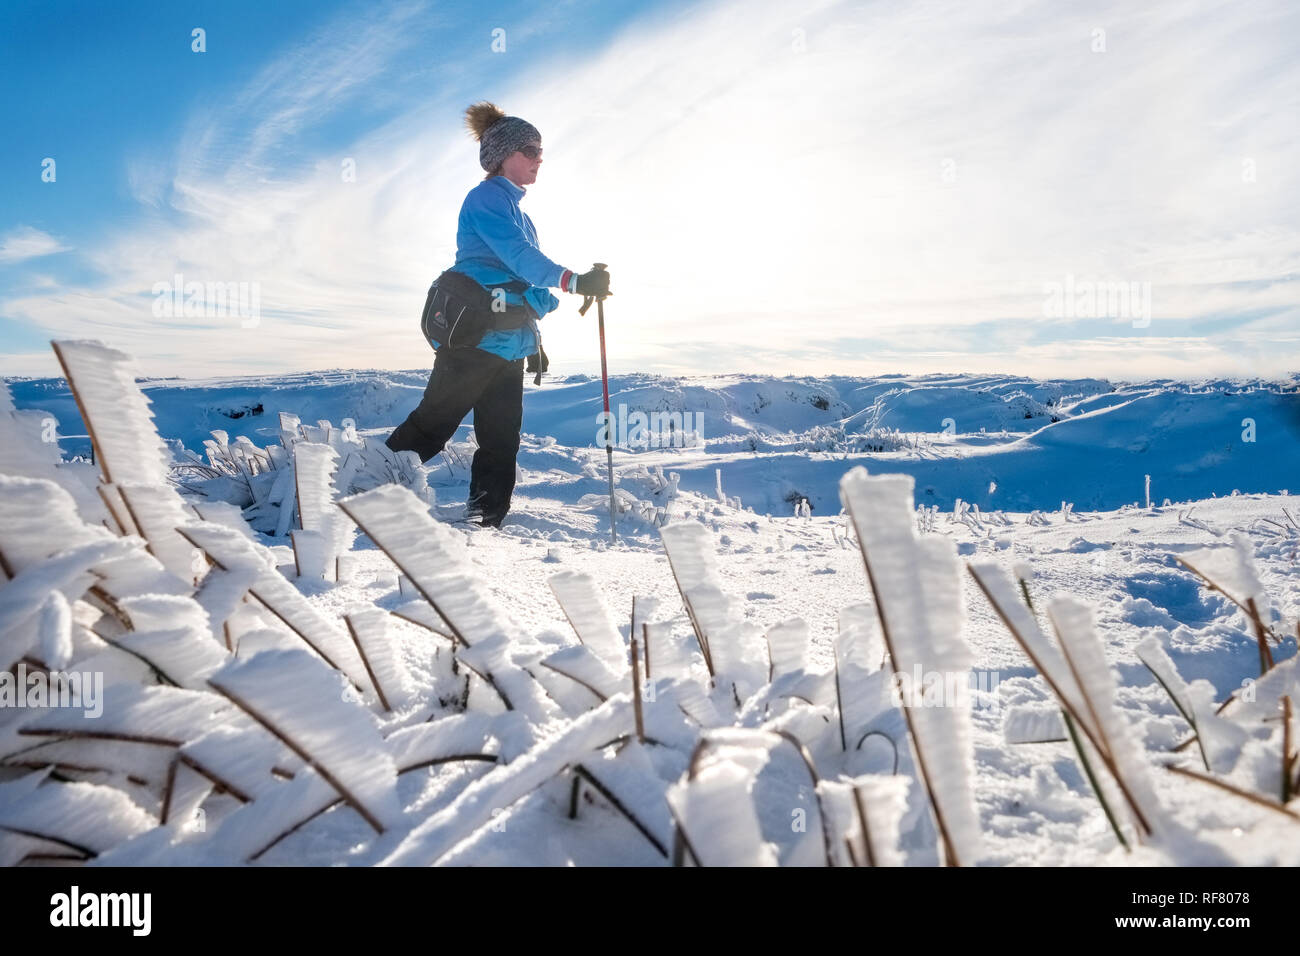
[[496, 242]]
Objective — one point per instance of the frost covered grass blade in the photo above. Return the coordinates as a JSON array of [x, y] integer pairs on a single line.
[[914, 582]]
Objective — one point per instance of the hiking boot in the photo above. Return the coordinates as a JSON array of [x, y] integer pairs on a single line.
[[480, 517]]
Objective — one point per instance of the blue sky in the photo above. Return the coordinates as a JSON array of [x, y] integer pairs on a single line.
[[780, 187]]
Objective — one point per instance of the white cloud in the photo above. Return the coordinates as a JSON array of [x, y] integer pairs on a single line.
[[28, 243], [915, 171], [34, 364]]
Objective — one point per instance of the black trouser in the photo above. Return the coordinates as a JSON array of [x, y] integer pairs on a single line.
[[465, 379]]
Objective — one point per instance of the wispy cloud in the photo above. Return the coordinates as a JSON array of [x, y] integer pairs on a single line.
[[768, 182], [25, 242], [337, 66]]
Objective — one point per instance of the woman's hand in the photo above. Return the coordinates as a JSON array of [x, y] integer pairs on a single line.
[[595, 282]]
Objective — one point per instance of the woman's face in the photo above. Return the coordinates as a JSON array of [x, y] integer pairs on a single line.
[[520, 169]]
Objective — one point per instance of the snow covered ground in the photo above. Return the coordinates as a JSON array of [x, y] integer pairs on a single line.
[[1034, 804], [1045, 475]]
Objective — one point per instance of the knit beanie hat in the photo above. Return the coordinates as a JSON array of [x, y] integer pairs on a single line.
[[498, 135]]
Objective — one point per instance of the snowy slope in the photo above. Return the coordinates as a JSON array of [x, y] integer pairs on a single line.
[[779, 439]]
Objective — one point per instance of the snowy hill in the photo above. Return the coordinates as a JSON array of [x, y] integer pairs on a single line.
[[778, 439]]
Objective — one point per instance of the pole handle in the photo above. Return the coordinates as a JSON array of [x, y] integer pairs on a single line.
[[587, 300]]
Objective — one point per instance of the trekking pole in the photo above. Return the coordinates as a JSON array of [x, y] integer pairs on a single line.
[[604, 388]]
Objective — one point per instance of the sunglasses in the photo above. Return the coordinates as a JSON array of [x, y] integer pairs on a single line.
[[531, 151]]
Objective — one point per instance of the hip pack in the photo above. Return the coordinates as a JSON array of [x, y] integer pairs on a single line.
[[458, 311]]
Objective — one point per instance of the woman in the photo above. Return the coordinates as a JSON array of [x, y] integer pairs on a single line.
[[496, 245]]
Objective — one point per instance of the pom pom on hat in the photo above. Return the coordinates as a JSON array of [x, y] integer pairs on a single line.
[[480, 117]]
